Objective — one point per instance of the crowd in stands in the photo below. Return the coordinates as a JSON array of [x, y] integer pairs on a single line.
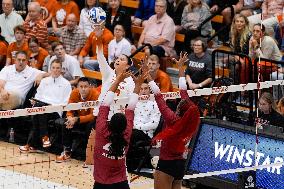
[[49, 42]]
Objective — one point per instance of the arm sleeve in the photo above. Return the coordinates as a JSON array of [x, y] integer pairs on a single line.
[[168, 115], [129, 114], [133, 99], [105, 69], [107, 38], [101, 121], [108, 98], [154, 87], [182, 83], [85, 50], [87, 118]]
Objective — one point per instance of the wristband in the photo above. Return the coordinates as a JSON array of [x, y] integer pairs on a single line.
[[200, 86]]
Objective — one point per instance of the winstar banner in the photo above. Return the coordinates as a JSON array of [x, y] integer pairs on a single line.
[[217, 148]]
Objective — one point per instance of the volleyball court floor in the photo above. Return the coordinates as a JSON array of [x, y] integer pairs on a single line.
[[39, 171]]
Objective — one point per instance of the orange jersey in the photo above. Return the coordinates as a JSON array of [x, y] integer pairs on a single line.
[[38, 59], [61, 11], [13, 49], [3, 51], [164, 82], [91, 44], [86, 115], [3, 48], [48, 4]]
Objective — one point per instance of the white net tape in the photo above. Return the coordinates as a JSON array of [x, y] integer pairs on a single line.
[[123, 101]]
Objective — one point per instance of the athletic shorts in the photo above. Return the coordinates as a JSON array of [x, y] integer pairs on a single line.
[[118, 185], [174, 168]]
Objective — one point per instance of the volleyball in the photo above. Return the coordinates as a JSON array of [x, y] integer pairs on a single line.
[[97, 15]]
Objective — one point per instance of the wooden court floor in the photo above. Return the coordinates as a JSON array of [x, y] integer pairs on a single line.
[[40, 170]]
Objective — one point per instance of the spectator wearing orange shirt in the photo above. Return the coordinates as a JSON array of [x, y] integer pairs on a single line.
[[161, 78], [35, 26], [82, 120], [91, 45], [3, 50], [19, 45], [47, 7], [61, 10], [36, 54]]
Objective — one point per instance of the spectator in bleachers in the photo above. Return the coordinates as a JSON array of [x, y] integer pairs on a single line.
[[280, 106], [36, 54], [145, 10], [70, 66], [35, 26], [268, 48], [19, 78], [198, 73], [53, 90], [160, 31], [268, 112], [116, 14], [270, 10], [240, 36], [251, 7], [9, 19], [61, 10], [119, 45], [106, 36], [82, 120], [19, 45], [48, 57], [72, 36], [85, 23], [193, 15], [226, 13], [3, 50], [175, 9], [161, 78], [47, 8]]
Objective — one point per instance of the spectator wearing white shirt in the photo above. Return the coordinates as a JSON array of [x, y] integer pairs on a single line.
[[85, 23], [9, 19], [18, 79], [268, 48], [53, 90], [119, 45], [70, 66]]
